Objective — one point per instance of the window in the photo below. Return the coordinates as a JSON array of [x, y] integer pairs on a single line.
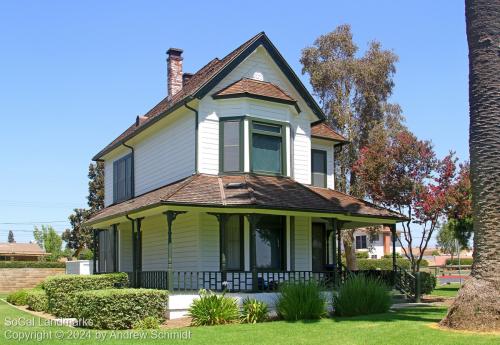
[[361, 242], [122, 179], [234, 243], [318, 167], [231, 145], [270, 243], [268, 148]]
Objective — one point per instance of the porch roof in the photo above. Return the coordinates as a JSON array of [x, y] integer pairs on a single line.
[[247, 191]]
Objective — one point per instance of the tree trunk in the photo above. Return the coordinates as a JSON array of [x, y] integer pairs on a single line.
[[477, 307], [351, 261]]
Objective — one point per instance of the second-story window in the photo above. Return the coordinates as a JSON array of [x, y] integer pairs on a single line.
[[318, 167], [268, 148], [231, 139], [122, 179]]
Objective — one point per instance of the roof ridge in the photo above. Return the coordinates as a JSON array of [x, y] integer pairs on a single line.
[[221, 189], [184, 184]]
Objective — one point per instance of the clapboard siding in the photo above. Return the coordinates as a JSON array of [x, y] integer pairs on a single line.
[[303, 259], [165, 156], [125, 247], [328, 147], [302, 152], [209, 243]]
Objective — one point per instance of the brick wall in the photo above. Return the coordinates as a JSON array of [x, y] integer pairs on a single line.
[[19, 278]]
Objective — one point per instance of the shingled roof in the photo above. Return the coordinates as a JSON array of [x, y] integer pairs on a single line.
[[246, 87], [251, 191], [324, 131], [200, 83]]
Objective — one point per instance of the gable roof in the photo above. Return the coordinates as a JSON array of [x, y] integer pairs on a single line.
[[247, 190], [324, 131], [205, 79]]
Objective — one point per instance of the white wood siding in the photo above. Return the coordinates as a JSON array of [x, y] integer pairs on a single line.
[[328, 147], [125, 247], [165, 155], [302, 152], [303, 258], [209, 243]]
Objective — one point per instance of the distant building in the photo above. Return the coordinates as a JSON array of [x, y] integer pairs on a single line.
[[21, 252], [376, 243]]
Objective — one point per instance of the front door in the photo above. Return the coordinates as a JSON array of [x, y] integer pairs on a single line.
[[318, 247]]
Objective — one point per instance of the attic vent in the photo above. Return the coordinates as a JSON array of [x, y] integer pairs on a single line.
[[258, 76], [235, 185]]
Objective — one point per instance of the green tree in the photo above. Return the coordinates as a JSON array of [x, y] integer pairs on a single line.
[[446, 240], [477, 305], [79, 237], [353, 92], [48, 239], [10, 238]]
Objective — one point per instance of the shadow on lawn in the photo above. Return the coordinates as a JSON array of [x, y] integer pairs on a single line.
[[420, 314]]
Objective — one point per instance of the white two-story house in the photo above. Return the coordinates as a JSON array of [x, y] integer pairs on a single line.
[[227, 182]]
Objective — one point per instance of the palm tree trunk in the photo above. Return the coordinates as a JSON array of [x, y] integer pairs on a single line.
[[478, 304]]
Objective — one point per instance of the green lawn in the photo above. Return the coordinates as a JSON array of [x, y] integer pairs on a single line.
[[449, 290], [407, 326]]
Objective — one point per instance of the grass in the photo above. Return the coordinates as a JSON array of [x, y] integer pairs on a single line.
[[448, 290], [406, 326]]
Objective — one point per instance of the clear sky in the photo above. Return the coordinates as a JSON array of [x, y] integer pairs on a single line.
[[74, 75]]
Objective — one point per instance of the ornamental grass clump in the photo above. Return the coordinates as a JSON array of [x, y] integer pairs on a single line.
[[300, 301], [254, 311], [212, 309], [361, 295]]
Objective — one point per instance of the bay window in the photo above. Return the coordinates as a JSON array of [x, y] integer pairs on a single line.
[[268, 148]]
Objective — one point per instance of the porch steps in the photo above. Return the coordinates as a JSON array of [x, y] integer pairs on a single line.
[[398, 297]]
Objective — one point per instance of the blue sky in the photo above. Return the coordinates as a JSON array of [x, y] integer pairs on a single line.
[[74, 75]]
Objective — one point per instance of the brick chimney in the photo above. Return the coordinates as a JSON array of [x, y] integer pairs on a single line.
[[174, 71]]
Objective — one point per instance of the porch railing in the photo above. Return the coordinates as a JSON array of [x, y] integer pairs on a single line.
[[229, 281]]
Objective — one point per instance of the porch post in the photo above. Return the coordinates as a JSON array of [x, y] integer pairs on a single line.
[[394, 237], [334, 249], [171, 215], [115, 247], [134, 254]]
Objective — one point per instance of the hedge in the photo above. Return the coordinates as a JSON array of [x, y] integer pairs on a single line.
[[427, 283], [120, 308], [18, 297], [466, 261], [31, 264], [37, 300], [385, 264], [61, 289]]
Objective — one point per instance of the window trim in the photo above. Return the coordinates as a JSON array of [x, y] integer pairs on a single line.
[[115, 175], [240, 120], [326, 167], [284, 144]]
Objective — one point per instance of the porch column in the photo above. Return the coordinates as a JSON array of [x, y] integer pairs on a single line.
[[253, 219], [171, 215], [138, 251], [394, 237], [134, 255]]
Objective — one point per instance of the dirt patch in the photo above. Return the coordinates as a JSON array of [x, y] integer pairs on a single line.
[[446, 329], [177, 323]]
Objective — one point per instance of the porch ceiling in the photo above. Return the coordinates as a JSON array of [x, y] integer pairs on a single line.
[[248, 194]]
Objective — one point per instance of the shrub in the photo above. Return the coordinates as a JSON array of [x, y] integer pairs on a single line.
[[361, 295], [211, 309], [389, 256], [18, 297], [31, 264], [362, 255], [37, 300], [61, 289], [120, 308], [149, 322], [300, 301], [427, 282], [254, 311], [466, 261]]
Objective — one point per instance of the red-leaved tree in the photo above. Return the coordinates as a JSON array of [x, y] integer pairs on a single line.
[[403, 173]]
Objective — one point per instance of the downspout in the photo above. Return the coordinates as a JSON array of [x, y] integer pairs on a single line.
[[133, 168], [195, 136]]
